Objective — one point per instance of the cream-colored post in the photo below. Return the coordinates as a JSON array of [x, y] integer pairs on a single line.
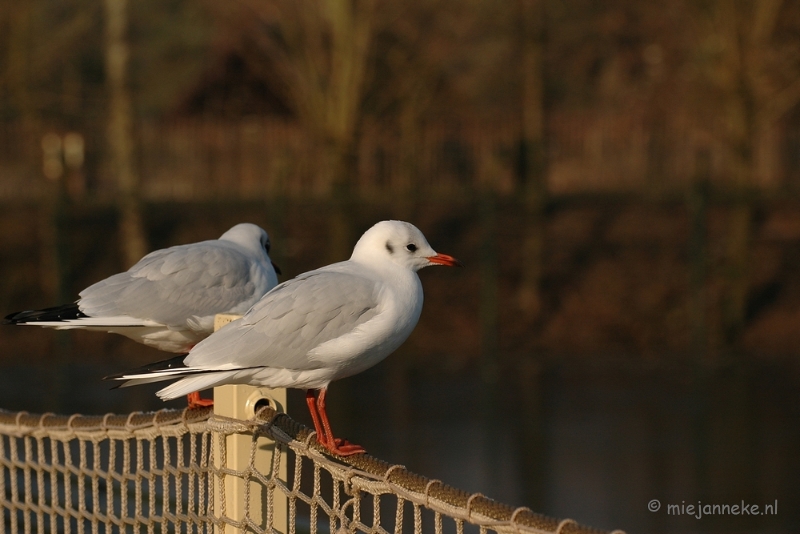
[[239, 402]]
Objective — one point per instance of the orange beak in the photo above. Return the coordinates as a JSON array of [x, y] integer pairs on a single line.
[[444, 259]]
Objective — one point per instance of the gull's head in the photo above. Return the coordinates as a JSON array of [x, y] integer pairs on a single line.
[[400, 243], [253, 238]]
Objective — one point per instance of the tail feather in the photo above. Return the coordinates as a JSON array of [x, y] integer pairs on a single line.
[[172, 369], [196, 382], [57, 313], [153, 372], [170, 364], [144, 380]]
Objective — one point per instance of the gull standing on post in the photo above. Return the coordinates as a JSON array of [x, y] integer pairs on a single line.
[[168, 300], [319, 327]]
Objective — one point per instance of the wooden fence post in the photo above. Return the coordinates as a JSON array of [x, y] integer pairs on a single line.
[[239, 402]]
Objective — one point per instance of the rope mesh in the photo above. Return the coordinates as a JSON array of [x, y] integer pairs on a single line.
[[155, 472]]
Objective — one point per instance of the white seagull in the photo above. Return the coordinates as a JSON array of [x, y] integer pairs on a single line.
[[321, 326], [169, 298]]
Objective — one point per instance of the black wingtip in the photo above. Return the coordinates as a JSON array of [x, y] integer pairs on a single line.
[[162, 365], [56, 313], [115, 376], [11, 318]]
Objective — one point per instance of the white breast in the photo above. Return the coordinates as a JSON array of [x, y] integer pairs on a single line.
[[369, 343]]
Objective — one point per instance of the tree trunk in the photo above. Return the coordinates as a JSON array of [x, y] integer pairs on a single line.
[[740, 215], [343, 167], [697, 204], [351, 26], [120, 132], [532, 163]]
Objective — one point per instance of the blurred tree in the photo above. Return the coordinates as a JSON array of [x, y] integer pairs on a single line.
[[532, 186], [58, 45], [120, 132], [231, 90], [746, 64], [52, 69], [320, 52], [408, 87], [170, 44], [532, 165], [15, 81]]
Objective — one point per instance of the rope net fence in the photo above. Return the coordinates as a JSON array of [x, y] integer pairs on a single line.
[[168, 471]]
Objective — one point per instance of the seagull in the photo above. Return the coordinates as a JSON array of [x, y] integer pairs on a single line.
[[321, 326], [168, 300]]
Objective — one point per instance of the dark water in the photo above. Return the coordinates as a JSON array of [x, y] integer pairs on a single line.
[[604, 440], [610, 439]]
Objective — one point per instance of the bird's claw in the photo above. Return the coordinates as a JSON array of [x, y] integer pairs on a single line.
[[342, 447], [195, 401]]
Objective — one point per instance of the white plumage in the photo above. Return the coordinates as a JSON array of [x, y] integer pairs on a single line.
[[169, 298]]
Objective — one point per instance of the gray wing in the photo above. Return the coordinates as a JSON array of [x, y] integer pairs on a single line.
[[289, 321], [174, 284]]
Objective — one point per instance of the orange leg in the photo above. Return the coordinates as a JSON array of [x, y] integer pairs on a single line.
[[196, 402], [311, 400], [316, 405], [194, 399]]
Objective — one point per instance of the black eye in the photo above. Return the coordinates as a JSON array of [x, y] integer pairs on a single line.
[[411, 247], [267, 247]]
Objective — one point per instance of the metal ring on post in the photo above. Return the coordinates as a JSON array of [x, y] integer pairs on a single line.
[[257, 398]]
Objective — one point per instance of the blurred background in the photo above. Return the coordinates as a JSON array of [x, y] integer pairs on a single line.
[[621, 178]]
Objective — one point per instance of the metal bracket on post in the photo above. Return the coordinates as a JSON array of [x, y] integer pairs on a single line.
[[242, 402]]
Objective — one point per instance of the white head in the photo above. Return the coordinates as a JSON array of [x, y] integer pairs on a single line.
[[400, 243], [253, 238]]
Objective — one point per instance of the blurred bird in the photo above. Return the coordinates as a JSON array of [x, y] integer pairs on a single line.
[[321, 326], [168, 300]]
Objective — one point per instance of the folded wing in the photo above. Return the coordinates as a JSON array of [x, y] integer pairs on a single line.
[[289, 322], [172, 285]]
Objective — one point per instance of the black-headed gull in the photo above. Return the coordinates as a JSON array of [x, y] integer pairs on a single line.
[[319, 327], [168, 300]]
